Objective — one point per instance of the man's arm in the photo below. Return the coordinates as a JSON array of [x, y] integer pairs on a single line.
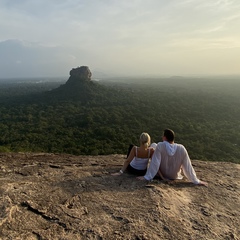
[[154, 164], [189, 171]]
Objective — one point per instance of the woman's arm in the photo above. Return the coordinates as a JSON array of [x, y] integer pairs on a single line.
[[126, 163]]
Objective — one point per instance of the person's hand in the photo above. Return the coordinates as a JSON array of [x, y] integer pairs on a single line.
[[202, 183], [141, 178], [116, 174]]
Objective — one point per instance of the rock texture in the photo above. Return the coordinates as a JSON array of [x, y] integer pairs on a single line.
[[51, 196], [78, 87], [80, 77], [82, 73]]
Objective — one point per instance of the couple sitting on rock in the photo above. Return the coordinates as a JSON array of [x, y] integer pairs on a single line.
[[167, 160]]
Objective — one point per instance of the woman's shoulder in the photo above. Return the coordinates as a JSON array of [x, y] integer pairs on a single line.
[[134, 148]]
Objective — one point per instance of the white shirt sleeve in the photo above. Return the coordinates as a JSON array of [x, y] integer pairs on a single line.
[[154, 164], [188, 169]]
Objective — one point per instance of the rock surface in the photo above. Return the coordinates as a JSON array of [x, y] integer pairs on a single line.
[[82, 73], [78, 87], [51, 196]]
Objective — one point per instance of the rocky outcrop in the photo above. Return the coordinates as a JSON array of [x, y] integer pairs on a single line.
[[79, 76], [60, 196], [78, 87], [82, 73]]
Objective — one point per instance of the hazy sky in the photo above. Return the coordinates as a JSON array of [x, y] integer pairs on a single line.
[[137, 37]]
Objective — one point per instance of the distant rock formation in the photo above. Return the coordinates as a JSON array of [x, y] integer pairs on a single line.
[[78, 87], [79, 75], [82, 73]]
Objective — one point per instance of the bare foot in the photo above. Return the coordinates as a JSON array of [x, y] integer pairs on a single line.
[[116, 174], [141, 178], [202, 183]]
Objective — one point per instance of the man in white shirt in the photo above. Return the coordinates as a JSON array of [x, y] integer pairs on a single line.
[[168, 159]]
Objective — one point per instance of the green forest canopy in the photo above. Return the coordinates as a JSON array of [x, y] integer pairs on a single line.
[[204, 113]]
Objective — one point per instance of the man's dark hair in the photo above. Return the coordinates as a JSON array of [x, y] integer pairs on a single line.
[[169, 134]]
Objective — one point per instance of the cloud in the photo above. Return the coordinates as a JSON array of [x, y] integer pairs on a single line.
[[124, 34], [198, 44], [26, 59]]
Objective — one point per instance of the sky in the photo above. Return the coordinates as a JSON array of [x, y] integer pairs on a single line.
[[119, 37]]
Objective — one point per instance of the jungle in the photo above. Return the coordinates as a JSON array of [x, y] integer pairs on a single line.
[[204, 113]]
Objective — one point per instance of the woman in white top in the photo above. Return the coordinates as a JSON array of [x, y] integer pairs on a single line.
[[138, 159]]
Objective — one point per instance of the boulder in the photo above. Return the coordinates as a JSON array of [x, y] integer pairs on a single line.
[[81, 73]]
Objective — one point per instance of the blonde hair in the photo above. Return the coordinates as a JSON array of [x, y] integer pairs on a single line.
[[145, 139]]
